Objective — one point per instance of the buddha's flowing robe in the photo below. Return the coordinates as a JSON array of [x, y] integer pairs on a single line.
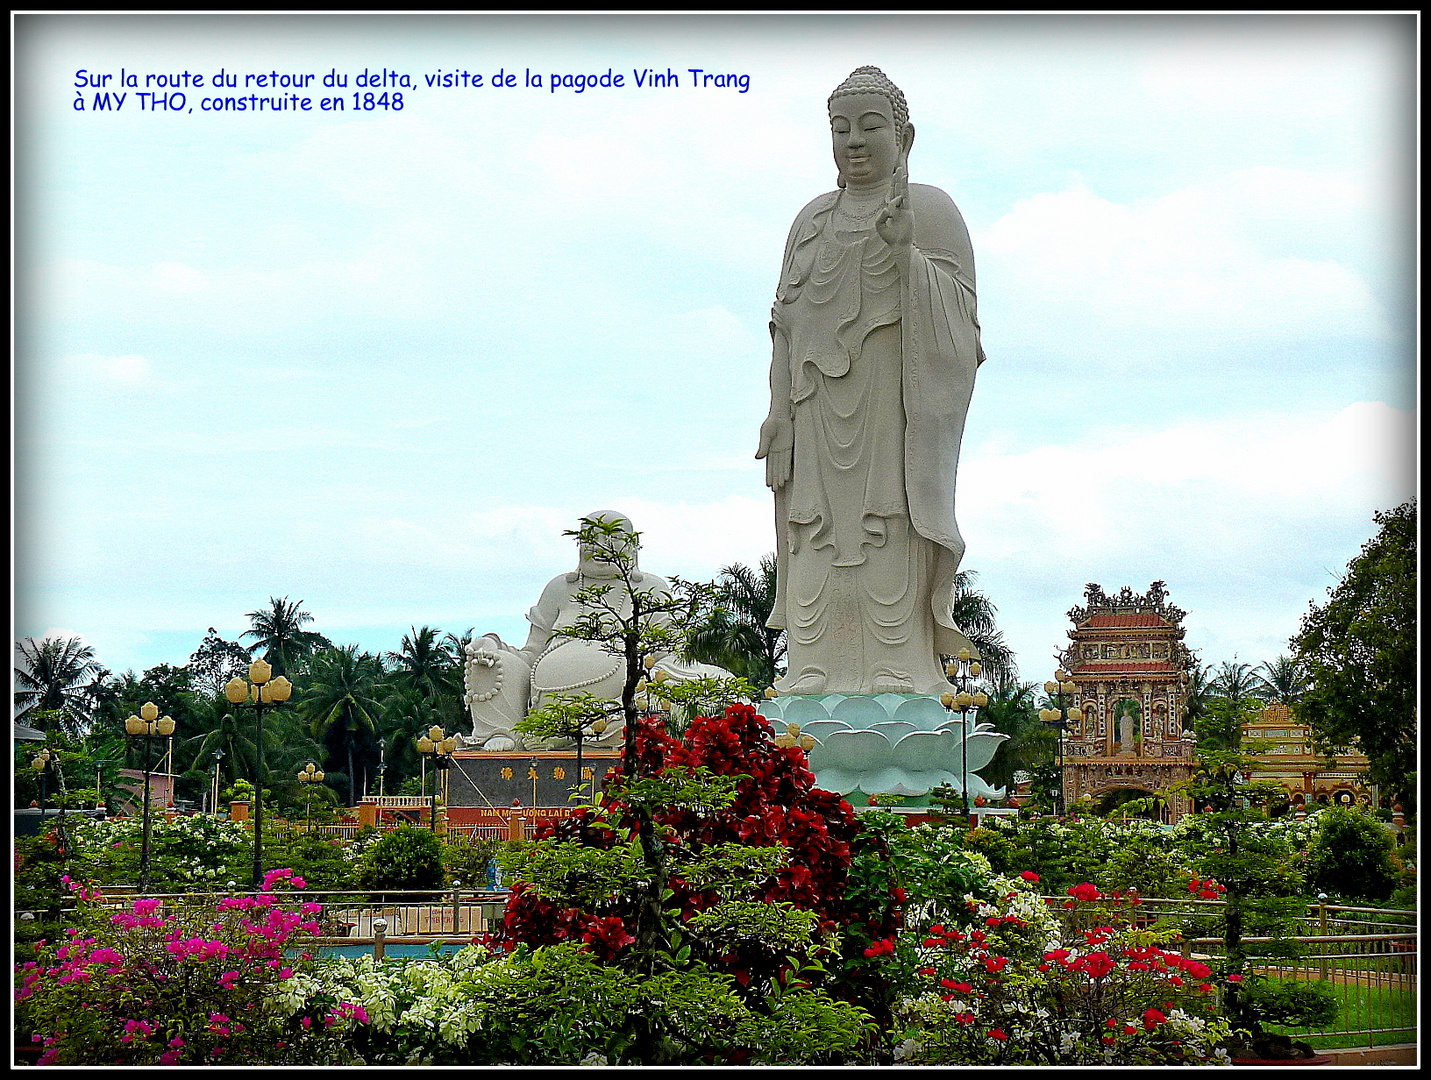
[[881, 361]]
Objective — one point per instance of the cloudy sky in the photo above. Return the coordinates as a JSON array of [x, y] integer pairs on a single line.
[[377, 360]]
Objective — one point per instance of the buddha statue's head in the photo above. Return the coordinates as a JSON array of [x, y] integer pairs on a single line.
[[591, 565], [869, 127]]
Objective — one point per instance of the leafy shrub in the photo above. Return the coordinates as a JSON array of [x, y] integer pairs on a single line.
[[559, 1005], [1351, 855], [466, 861], [1291, 1002], [408, 857]]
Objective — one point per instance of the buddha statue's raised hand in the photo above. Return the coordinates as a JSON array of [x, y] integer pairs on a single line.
[[895, 224]]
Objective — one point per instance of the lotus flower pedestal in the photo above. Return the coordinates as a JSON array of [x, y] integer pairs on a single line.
[[889, 744]]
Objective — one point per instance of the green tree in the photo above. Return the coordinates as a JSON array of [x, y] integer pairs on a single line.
[[341, 704], [1012, 709], [1351, 855], [215, 662], [1359, 652], [1199, 693], [731, 632], [1220, 726], [1281, 680], [974, 613], [279, 635], [1234, 682], [55, 675], [427, 666], [221, 725]]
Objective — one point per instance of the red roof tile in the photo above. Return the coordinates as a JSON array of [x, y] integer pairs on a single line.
[[1131, 618]]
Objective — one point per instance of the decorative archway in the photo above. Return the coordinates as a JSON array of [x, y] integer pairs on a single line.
[[1127, 658]]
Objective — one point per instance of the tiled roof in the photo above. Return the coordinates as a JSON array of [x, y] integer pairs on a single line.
[[1131, 618]]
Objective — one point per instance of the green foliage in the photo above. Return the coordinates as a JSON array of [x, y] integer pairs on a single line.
[[279, 635], [1359, 652], [558, 1005], [729, 629], [1220, 725], [408, 857], [1352, 855], [567, 717], [703, 696], [323, 862], [54, 675], [466, 861], [197, 852], [1292, 1002]]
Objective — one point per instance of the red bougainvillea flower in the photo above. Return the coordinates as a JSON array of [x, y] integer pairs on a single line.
[[900, 896], [965, 1018], [1152, 1018], [1197, 969], [997, 1033], [1097, 964], [1086, 891], [995, 964], [1029, 875]]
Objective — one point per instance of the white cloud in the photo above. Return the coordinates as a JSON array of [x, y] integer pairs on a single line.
[[1247, 519], [125, 371], [1243, 256]]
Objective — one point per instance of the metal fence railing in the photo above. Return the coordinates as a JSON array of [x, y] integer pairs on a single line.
[[1368, 956], [1374, 977], [1374, 974]]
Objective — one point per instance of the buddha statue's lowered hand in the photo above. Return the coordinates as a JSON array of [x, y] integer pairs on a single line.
[[777, 444]]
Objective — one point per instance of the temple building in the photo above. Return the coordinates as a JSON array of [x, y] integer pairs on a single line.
[[1127, 659], [1307, 777]]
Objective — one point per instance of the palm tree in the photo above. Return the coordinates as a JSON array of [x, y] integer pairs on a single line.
[[280, 634], [1283, 680], [732, 633], [1199, 693], [340, 701], [425, 665], [56, 675], [230, 728], [974, 613], [1031, 743], [1235, 682]]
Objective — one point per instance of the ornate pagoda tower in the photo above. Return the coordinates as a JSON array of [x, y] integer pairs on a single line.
[[1127, 658]]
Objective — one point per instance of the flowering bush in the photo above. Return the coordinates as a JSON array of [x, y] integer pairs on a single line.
[[158, 983], [1024, 983], [560, 1005], [195, 852]]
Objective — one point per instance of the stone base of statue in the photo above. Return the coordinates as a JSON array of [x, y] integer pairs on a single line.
[[889, 744]]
